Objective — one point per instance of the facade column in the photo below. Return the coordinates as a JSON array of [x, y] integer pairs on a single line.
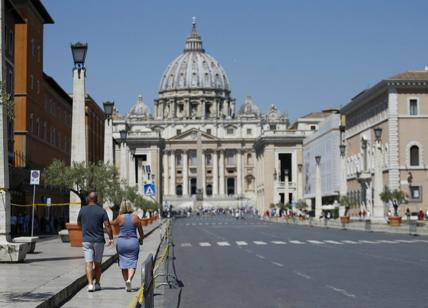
[[299, 185], [239, 172], [131, 167], [215, 173], [221, 169], [140, 176], [165, 173], [204, 177], [185, 174], [318, 197], [172, 173]]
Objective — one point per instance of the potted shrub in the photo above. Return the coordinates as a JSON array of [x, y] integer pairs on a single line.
[[347, 203], [395, 198], [301, 206]]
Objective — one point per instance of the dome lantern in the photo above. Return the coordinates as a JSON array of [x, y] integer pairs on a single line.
[[194, 40]]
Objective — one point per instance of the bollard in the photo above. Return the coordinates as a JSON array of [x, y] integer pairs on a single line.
[[413, 227], [368, 225]]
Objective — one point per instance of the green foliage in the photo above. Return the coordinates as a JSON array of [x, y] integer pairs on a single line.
[[7, 101], [301, 205], [347, 203], [99, 177], [389, 196], [82, 179]]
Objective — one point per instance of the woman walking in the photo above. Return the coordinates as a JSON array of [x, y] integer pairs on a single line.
[[128, 245]]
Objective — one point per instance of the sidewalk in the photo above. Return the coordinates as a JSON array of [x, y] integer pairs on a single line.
[[54, 271], [404, 228], [113, 292]]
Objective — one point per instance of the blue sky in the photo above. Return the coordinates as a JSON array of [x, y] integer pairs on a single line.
[[303, 56]]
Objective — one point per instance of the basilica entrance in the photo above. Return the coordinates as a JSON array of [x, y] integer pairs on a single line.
[[193, 186], [230, 186]]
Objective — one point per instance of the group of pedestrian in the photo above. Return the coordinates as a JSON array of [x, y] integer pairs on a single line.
[[93, 218]]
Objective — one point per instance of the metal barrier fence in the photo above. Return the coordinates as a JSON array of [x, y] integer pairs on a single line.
[[149, 268]]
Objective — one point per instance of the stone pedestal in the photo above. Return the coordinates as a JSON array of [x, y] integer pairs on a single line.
[[13, 252], [31, 240]]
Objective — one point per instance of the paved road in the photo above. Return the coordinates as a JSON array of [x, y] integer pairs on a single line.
[[223, 262]]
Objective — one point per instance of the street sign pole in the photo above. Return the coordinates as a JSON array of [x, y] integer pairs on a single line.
[[33, 208], [34, 180]]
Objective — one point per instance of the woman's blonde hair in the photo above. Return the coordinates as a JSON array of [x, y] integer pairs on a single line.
[[126, 207]]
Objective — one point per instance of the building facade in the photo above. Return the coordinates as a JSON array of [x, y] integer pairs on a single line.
[[325, 144], [398, 106], [198, 147]]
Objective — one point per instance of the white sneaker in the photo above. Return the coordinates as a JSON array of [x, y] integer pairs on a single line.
[[97, 287], [91, 288], [128, 286]]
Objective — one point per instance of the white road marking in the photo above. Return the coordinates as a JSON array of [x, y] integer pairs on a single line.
[[223, 243], [187, 224], [277, 264], [226, 223], [368, 242], [259, 242], [241, 243], [315, 242], [278, 242], [193, 224], [186, 245], [341, 291], [388, 242], [302, 275], [261, 257], [404, 241], [349, 242], [296, 242], [333, 242], [220, 223], [204, 244]]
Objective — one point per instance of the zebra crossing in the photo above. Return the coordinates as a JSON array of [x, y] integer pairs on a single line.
[[188, 224], [298, 242]]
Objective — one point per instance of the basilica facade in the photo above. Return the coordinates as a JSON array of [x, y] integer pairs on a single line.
[[199, 148]]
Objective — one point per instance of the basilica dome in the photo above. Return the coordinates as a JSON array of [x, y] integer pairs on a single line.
[[194, 69]]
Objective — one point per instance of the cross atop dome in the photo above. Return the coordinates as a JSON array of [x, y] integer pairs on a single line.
[[194, 40]]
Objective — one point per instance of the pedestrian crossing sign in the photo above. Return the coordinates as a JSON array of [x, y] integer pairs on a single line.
[[150, 189]]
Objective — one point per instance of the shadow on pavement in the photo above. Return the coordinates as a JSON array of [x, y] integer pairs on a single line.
[[15, 297]]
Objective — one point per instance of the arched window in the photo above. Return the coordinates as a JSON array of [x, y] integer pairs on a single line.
[[414, 155]]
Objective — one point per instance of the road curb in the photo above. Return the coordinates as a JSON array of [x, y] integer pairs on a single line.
[[372, 227], [69, 291]]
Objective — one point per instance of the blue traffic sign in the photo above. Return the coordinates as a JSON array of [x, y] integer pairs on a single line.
[[150, 189]]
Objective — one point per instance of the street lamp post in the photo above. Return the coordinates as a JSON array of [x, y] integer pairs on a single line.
[[78, 126], [108, 132], [318, 197], [343, 188], [108, 146], [378, 207], [286, 181], [123, 156]]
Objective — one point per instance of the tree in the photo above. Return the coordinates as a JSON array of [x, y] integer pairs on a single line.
[[347, 203], [81, 179], [396, 197]]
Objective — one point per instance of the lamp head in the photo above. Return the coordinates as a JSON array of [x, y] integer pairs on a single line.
[[108, 108], [79, 53], [378, 133], [123, 134], [342, 149], [318, 159]]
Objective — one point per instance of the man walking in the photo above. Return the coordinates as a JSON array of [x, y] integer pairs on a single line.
[[91, 218]]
